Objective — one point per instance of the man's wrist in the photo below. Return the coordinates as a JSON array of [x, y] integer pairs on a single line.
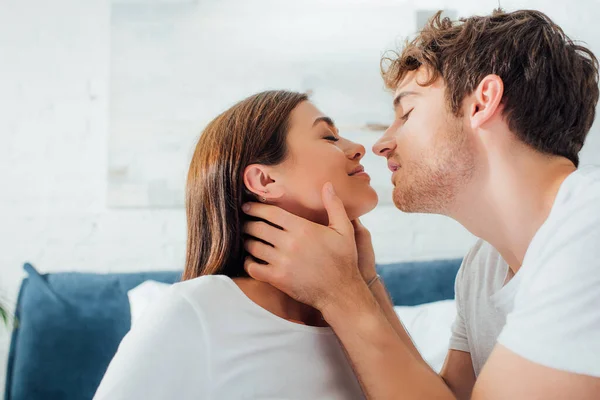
[[354, 301]]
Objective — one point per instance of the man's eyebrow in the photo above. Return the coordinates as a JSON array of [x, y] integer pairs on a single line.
[[402, 95], [327, 120]]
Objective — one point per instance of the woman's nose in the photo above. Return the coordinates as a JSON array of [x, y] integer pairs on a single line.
[[356, 152]]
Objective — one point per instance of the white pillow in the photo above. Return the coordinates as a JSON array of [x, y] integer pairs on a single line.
[[429, 325], [141, 296]]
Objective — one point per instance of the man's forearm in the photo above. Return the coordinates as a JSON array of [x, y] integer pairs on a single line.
[[383, 362], [387, 307]]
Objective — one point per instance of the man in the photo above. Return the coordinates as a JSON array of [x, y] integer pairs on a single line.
[[491, 115]]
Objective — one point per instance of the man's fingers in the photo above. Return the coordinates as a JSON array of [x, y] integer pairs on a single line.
[[359, 228], [260, 250], [338, 219], [273, 214], [260, 272], [263, 231]]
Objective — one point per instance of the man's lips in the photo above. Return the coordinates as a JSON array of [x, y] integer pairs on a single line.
[[357, 170], [393, 166]]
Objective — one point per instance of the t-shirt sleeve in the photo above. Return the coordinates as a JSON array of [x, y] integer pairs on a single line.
[[556, 317], [164, 356], [458, 339]]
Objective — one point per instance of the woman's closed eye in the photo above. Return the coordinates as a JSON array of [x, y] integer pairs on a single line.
[[331, 138]]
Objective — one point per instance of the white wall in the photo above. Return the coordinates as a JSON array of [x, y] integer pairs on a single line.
[[54, 75]]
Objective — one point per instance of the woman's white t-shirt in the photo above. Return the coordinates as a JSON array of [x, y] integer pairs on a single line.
[[206, 340]]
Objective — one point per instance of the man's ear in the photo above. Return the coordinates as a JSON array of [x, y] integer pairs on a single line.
[[259, 180], [485, 100]]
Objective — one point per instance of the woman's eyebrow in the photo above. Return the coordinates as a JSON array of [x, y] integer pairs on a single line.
[[327, 120]]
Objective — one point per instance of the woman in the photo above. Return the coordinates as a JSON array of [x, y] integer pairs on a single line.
[[220, 334]]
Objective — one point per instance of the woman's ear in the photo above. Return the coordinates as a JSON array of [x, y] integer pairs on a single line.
[[486, 100], [259, 180]]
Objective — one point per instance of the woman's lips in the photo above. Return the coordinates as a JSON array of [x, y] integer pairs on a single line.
[[359, 171], [362, 174]]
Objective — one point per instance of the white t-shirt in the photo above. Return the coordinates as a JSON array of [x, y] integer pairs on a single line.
[[204, 339], [549, 312]]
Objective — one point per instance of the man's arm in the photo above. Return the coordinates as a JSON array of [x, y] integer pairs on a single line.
[[507, 375], [385, 366], [387, 307], [458, 373], [366, 265]]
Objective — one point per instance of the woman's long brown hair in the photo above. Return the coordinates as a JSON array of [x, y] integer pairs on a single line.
[[253, 131]]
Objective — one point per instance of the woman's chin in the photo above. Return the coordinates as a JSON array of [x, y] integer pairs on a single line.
[[362, 205]]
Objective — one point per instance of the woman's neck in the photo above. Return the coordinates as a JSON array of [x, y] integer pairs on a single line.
[[278, 303]]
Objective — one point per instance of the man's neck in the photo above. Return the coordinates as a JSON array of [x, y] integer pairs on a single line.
[[510, 201]]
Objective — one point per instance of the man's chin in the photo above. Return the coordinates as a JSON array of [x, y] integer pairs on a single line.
[[406, 201], [399, 200]]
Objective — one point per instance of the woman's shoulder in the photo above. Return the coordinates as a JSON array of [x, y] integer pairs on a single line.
[[202, 291], [183, 302]]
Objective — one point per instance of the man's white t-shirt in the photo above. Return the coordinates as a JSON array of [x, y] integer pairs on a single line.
[[549, 312], [204, 339]]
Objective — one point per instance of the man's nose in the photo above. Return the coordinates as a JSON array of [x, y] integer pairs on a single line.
[[385, 145]]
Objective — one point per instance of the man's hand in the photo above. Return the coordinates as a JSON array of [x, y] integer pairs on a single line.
[[312, 263], [318, 265], [364, 247]]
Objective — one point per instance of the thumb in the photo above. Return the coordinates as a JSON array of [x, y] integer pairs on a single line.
[[338, 219]]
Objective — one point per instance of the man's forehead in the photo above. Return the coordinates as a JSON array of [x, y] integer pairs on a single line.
[[409, 82]]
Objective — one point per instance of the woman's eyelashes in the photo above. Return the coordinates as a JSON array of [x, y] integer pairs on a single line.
[[332, 138]]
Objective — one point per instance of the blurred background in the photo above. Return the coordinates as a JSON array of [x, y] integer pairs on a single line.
[[102, 101]]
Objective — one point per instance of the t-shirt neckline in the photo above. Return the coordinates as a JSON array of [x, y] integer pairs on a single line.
[[504, 296], [266, 313]]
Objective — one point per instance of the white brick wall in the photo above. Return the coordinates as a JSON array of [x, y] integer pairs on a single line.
[[54, 103]]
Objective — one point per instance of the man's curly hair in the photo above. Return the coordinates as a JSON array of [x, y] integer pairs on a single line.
[[550, 82]]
